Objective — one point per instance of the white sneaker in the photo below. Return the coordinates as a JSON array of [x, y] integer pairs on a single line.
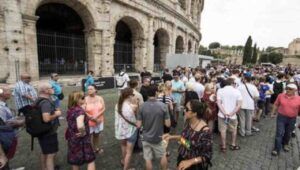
[[20, 168]]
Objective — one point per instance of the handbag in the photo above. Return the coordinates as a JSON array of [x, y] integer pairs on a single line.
[[61, 96]]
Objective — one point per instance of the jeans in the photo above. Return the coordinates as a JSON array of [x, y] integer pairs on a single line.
[[284, 128], [245, 117]]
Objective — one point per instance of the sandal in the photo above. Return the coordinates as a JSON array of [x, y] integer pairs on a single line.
[[234, 148], [223, 149]]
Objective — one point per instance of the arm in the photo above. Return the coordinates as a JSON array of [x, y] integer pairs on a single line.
[[47, 117], [80, 125], [102, 110], [237, 107], [219, 103], [139, 124]]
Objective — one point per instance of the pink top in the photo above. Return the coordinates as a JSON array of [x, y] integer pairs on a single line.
[[288, 105], [95, 110]]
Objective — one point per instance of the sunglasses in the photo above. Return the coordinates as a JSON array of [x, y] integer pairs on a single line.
[[83, 97], [186, 109], [288, 88]]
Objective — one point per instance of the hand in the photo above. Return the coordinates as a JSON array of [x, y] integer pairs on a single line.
[[58, 113], [3, 161], [273, 115], [185, 164], [166, 137]]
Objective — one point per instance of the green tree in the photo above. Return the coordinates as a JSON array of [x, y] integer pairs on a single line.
[[275, 58], [254, 55], [247, 51], [270, 49], [214, 45], [264, 58]]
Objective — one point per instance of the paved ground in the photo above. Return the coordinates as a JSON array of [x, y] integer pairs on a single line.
[[255, 152]]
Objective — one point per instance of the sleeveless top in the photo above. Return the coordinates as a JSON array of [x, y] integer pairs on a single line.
[[93, 109]]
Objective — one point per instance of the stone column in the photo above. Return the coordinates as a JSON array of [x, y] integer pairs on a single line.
[[30, 46], [4, 69], [150, 54], [14, 41], [139, 45], [107, 64], [188, 8], [93, 39], [173, 39]]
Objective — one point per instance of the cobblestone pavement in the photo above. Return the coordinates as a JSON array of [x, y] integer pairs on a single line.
[[255, 151]]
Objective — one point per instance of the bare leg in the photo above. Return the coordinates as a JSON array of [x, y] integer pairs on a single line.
[[129, 149], [96, 141], [211, 125], [233, 143], [74, 167], [223, 138], [50, 161], [43, 162], [164, 162], [91, 166], [123, 149], [148, 165]]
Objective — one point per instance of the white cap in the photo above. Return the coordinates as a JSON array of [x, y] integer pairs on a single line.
[[292, 86]]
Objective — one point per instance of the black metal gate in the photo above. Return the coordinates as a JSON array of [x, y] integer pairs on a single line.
[[123, 57], [61, 53]]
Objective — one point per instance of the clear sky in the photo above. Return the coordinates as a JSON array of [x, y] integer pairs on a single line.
[[269, 22]]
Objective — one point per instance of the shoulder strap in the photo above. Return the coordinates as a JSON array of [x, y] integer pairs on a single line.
[[129, 122], [203, 128], [164, 99], [248, 91]]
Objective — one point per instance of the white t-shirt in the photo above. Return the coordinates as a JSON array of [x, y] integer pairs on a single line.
[[126, 79], [248, 102], [199, 89], [229, 97], [237, 80]]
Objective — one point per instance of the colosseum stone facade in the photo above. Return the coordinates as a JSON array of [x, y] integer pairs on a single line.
[[73, 36]]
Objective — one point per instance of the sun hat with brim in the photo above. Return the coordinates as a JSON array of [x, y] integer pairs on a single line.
[[292, 86]]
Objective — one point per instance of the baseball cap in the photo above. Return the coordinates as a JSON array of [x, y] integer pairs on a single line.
[[292, 86]]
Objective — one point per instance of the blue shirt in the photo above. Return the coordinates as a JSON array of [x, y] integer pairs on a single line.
[[177, 85], [89, 81], [5, 112]]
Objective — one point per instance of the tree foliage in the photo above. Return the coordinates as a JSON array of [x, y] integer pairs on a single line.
[[247, 51], [214, 45], [254, 55], [273, 57]]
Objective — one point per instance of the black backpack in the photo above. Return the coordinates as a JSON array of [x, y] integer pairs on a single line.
[[277, 88], [35, 125]]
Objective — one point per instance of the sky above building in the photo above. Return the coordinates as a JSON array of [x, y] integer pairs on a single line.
[[269, 22]]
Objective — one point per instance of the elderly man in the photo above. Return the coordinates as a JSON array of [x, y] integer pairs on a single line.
[[49, 141], [24, 93], [8, 140], [287, 105]]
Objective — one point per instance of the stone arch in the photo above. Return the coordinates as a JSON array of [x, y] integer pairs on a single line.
[[179, 45], [128, 45], [161, 42], [182, 4], [61, 37]]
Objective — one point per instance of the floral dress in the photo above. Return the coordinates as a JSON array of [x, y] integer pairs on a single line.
[[194, 144], [80, 149], [212, 105]]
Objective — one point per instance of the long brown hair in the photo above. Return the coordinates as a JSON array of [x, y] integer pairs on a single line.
[[74, 97], [125, 93]]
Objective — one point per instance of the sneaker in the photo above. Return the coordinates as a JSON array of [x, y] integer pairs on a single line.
[[255, 129], [20, 168], [274, 153], [293, 134], [286, 148]]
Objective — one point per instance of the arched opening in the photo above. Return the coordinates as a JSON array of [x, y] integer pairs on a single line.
[[127, 47], [60, 40], [161, 49], [179, 45], [189, 47]]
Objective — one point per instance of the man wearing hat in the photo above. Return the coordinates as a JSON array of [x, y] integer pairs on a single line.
[[287, 105]]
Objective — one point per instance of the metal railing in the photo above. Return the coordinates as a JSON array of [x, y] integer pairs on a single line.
[[126, 67]]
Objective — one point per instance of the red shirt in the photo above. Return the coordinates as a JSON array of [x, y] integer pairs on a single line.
[[288, 105]]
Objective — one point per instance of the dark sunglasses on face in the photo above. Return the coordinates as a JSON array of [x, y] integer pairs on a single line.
[[83, 97], [186, 109], [288, 88]]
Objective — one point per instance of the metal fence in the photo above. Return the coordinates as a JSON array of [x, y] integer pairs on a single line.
[[123, 57], [61, 53]]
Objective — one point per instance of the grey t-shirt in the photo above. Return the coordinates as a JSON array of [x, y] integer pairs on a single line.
[[48, 106], [153, 114]]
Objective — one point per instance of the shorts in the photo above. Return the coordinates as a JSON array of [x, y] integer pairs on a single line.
[[261, 104], [231, 125], [150, 150], [96, 129], [133, 137], [49, 144]]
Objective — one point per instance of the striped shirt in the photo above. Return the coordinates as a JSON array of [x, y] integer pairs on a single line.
[[22, 89], [5, 112]]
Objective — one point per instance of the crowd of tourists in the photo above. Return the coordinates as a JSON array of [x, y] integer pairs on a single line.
[[213, 100]]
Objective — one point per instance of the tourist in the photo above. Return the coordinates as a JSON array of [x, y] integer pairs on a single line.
[[80, 150], [133, 84], [250, 95], [210, 99], [269, 93], [24, 93], [198, 86], [189, 93], [278, 87], [95, 108], [178, 89], [58, 95], [144, 88], [263, 89], [89, 80], [8, 123], [229, 101], [195, 150], [145, 73], [286, 106], [151, 115], [125, 125], [166, 75], [48, 142], [122, 80]]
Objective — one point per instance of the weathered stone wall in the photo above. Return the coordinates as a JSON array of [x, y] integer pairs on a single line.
[[18, 43]]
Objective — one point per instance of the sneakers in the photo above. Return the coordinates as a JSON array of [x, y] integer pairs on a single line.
[[286, 148], [255, 129], [293, 134], [274, 153]]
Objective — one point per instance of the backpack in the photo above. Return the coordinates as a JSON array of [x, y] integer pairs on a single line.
[[35, 125], [120, 80]]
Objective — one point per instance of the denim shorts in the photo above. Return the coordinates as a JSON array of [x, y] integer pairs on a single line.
[[133, 137]]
